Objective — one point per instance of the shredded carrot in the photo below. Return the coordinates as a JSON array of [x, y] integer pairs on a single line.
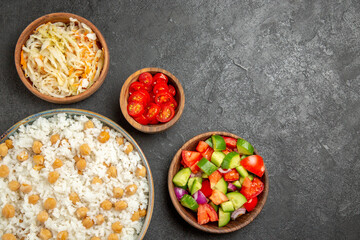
[[41, 57], [71, 70], [83, 75], [22, 60], [87, 70]]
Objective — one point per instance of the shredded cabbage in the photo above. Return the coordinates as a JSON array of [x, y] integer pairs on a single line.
[[62, 59]]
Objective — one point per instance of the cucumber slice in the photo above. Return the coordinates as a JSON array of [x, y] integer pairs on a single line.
[[206, 166], [242, 171], [221, 185], [182, 177], [237, 184], [209, 142], [237, 199], [231, 160], [217, 158], [250, 176], [244, 147], [227, 206], [218, 143], [191, 182], [189, 202], [215, 207], [204, 175], [224, 217], [196, 186], [243, 156]]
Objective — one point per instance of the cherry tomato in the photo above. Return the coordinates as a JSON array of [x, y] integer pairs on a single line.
[[153, 122], [152, 97], [163, 97], [140, 96], [135, 109], [254, 164], [160, 87], [172, 90], [160, 78], [142, 120], [136, 86], [166, 113], [148, 88], [146, 78], [251, 204], [152, 111], [173, 103]]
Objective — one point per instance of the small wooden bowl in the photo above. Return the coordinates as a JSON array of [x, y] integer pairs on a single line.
[[60, 17], [190, 216], [179, 97]]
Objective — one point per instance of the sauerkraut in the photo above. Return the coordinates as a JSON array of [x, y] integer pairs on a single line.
[[62, 59]]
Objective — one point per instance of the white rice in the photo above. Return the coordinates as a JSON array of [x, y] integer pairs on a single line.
[[62, 218]]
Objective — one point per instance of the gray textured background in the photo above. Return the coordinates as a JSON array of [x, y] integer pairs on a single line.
[[284, 75]]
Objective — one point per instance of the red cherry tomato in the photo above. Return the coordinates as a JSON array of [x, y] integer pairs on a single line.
[[173, 103], [153, 122], [160, 87], [146, 78], [251, 204], [172, 90], [135, 109], [136, 86], [142, 120], [140, 96], [166, 114], [254, 164], [163, 97], [160, 78], [152, 111], [148, 88], [152, 97]]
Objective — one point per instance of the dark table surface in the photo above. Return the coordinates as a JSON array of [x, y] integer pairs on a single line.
[[285, 75]]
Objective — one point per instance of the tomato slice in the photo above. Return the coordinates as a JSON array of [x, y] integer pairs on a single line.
[[202, 146], [135, 109], [214, 178], [208, 152], [211, 213], [251, 189], [140, 96], [142, 120], [190, 157], [152, 111], [146, 78], [148, 88], [163, 97], [166, 113], [226, 151], [230, 142], [172, 103], [251, 204], [172, 90], [231, 176], [206, 189], [202, 215], [136, 86], [155, 121], [218, 197], [160, 78], [160, 87], [254, 164]]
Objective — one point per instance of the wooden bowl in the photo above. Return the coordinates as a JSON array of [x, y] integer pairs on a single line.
[[189, 215], [179, 97], [60, 17]]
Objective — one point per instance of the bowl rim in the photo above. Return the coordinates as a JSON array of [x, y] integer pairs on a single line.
[[158, 127], [180, 209], [112, 124], [24, 36]]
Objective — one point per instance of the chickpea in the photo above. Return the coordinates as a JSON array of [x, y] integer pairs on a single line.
[[119, 140], [81, 212], [38, 159], [42, 216], [103, 137], [25, 188], [87, 222], [99, 219], [8, 236], [23, 156], [113, 236], [116, 227], [112, 172], [63, 235], [135, 217], [140, 172], [8, 211], [50, 203], [131, 189], [96, 180], [53, 177], [45, 234], [9, 144], [74, 197], [129, 148], [106, 205], [37, 147], [57, 163], [88, 124], [120, 205], [85, 149], [118, 192], [3, 150], [95, 238], [4, 171], [33, 199], [142, 212], [77, 158], [14, 185], [81, 164]]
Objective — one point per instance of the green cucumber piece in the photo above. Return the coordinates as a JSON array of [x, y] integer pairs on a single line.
[[237, 184], [221, 185], [231, 160], [204, 175], [206, 166], [209, 142], [191, 182], [244, 147], [227, 206], [242, 171], [237, 199], [250, 176], [189, 202], [217, 158], [243, 156], [224, 217], [196, 186], [215, 207], [218, 143], [182, 177]]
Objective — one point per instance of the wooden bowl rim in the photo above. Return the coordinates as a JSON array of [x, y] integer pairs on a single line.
[[25, 36], [158, 127], [181, 210]]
